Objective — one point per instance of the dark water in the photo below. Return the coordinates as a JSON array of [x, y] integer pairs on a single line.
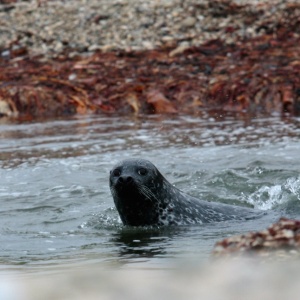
[[56, 207]]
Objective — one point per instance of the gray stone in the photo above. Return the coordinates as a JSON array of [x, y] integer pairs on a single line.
[[189, 22]]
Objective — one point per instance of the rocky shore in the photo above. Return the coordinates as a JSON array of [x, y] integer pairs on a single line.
[[280, 241], [159, 56], [49, 27]]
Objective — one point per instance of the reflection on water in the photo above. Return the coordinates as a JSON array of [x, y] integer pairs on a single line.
[[56, 204], [141, 243]]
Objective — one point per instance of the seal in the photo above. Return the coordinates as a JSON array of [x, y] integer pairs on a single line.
[[143, 197]]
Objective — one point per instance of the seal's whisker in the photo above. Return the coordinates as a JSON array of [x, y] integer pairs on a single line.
[[147, 192], [144, 191]]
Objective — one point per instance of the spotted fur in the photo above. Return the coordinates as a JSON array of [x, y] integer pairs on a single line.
[[144, 197]]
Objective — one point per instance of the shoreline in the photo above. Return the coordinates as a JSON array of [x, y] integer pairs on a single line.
[[155, 57]]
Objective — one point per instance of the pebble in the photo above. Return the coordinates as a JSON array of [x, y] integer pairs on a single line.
[[4, 108], [180, 49], [189, 22], [49, 27]]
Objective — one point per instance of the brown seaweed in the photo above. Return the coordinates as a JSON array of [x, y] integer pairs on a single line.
[[251, 75]]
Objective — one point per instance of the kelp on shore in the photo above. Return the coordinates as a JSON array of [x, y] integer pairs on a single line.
[[251, 75]]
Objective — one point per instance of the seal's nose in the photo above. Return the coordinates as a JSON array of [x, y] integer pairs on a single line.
[[125, 179]]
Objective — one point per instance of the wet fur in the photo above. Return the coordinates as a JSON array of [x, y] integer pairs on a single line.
[[151, 200]]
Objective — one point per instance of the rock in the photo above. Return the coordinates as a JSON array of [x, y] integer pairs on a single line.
[[281, 238], [188, 22], [5, 109], [180, 49], [107, 48]]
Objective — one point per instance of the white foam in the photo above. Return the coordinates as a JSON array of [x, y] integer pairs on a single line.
[[267, 197]]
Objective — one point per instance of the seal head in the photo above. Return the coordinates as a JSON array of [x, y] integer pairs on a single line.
[[136, 186], [144, 197]]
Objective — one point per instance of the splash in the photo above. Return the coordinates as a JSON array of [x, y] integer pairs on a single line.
[[268, 197], [108, 219]]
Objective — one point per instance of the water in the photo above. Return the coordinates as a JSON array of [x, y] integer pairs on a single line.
[[56, 207]]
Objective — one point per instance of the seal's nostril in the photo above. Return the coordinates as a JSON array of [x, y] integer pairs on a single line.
[[125, 179], [129, 179]]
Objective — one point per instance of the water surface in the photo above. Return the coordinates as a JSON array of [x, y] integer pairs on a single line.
[[56, 207]]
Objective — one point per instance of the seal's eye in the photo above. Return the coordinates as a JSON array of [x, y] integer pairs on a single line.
[[116, 172], [142, 171]]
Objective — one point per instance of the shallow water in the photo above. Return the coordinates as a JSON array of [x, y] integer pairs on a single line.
[[56, 205]]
